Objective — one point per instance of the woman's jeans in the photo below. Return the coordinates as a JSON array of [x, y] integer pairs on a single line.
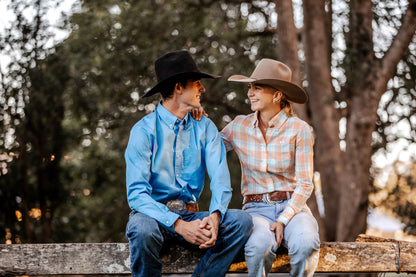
[[300, 237], [146, 238]]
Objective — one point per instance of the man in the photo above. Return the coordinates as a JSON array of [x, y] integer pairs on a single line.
[[166, 158]]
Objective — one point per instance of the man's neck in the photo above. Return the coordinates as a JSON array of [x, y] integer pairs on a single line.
[[175, 108]]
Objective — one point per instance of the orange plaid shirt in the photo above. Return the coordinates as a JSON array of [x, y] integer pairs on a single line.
[[282, 162]]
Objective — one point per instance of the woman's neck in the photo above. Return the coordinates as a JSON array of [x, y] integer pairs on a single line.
[[266, 116]]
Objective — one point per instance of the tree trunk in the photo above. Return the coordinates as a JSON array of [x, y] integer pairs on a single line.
[[356, 180], [367, 81], [288, 54], [328, 157], [287, 48]]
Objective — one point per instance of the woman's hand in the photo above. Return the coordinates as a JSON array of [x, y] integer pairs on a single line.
[[278, 228], [197, 113]]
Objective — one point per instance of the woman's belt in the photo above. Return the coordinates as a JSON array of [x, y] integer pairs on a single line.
[[271, 198]]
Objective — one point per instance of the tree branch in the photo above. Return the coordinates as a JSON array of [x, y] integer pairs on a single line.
[[398, 47]]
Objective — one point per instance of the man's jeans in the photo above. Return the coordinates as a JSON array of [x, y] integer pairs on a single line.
[[146, 238], [300, 237]]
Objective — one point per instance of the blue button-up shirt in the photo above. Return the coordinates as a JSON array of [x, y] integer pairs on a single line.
[[166, 159]]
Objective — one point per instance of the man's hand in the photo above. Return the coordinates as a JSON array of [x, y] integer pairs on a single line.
[[211, 223], [192, 231], [197, 113], [278, 227]]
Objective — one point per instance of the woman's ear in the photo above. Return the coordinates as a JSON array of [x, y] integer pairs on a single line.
[[277, 96]]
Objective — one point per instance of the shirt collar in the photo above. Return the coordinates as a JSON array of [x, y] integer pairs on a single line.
[[276, 122], [168, 118]]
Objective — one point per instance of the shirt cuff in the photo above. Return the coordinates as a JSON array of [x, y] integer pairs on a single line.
[[286, 215], [221, 211], [169, 221]]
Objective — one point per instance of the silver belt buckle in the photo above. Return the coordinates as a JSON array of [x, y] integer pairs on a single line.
[[176, 205], [271, 202]]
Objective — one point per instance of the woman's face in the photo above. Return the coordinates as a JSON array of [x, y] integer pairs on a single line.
[[261, 97]]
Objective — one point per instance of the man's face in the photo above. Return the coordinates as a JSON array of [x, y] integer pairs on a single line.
[[191, 93]]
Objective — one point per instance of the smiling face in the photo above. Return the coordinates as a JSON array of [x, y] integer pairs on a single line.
[[261, 97], [191, 94]]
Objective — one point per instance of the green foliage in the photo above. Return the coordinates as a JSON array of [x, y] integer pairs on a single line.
[[32, 138]]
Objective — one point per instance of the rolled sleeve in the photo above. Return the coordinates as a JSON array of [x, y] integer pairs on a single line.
[[304, 174]]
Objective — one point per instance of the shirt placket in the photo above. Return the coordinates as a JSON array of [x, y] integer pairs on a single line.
[[177, 151], [263, 152]]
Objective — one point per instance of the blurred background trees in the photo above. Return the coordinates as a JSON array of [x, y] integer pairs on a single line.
[[67, 108]]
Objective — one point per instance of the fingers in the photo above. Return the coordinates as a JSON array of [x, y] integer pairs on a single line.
[[207, 244], [204, 222], [278, 229], [211, 242], [203, 232], [193, 233], [197, 113], [212, 223]]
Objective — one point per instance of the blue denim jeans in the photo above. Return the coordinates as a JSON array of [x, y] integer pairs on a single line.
[[300, 237], [146, 238]]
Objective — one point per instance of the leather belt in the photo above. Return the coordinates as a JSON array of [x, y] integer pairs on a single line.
[[179, 205], [271, 198]]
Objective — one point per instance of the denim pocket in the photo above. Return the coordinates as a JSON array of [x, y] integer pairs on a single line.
[[251, 205]]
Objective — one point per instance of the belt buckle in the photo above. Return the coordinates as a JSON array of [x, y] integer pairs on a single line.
[[176, 205], [271, 202]]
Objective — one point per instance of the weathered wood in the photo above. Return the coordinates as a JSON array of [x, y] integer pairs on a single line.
[[113, 258], [368, 238]]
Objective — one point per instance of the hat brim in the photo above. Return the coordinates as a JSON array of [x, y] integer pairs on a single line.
[[166, 81], [293, 92]]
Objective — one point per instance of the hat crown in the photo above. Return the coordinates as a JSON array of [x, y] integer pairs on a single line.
[[174, 63], [272, 69], [276, 75]]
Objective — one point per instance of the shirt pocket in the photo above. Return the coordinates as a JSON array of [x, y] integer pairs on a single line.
[[283, 156], [191, 160]]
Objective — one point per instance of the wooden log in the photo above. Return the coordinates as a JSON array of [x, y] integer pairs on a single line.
[[113, 258]]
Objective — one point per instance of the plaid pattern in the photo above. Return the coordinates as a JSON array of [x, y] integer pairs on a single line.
[[284, 163]]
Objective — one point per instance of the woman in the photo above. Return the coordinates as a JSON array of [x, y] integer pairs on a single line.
[[275, 149]]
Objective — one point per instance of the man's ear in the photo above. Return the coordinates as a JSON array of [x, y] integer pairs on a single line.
[[178, 88]]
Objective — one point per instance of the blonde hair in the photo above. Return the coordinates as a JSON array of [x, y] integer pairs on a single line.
[[286, 105], [283, 102]]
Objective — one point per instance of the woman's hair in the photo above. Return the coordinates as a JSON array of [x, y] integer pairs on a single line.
[[286, 105]]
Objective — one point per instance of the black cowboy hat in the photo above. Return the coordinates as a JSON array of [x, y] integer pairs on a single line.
[[173, 65]]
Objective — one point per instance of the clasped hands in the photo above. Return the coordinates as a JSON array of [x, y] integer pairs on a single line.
[[199, 232]]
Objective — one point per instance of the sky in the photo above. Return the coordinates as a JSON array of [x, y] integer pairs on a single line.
[[7, 17]]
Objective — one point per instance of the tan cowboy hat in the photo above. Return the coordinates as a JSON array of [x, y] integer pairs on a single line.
[[277, 75]]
